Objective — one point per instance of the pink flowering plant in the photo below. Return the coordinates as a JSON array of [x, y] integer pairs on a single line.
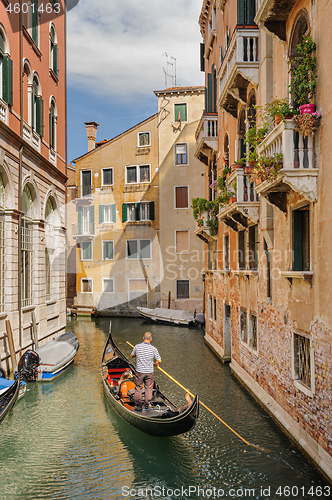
[[304, 75]]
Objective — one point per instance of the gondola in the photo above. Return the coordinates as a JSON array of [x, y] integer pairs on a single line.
[[8, 397], [163, 419]]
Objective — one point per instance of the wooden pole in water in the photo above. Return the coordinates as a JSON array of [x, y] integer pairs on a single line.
[[11, 344], [169, 299], [208, 409]]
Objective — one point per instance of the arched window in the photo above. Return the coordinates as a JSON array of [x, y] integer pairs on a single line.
[[49, 216], [53, 51], [37, 107], [49, 247], [301, 26], [2, 245], [52, 125], [26, 247], [6, 73]]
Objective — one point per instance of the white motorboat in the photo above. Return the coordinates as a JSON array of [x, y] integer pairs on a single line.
[[169, 316]]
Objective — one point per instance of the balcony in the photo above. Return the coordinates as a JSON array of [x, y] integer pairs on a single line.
[[3, 112], [298, 174], [243, 212], [83, 230], [238, 69], [84, 194], [31, 136], [203, 230], [207, 137], [272, 16]]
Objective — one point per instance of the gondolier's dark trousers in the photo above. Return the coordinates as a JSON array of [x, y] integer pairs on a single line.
[[147, 379]]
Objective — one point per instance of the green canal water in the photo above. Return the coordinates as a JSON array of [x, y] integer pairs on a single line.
[[63, 441]]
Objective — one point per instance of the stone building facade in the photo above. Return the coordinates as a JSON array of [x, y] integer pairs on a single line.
[[32, 179], [266, 283]]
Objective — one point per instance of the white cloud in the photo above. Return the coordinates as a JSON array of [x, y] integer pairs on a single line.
[[116, 47]]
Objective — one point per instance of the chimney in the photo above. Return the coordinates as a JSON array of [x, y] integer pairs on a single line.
[[91, 132]]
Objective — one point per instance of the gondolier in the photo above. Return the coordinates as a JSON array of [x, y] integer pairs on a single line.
[[145, 355]]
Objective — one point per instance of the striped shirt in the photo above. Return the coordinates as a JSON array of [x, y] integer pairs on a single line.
[[145, 354]]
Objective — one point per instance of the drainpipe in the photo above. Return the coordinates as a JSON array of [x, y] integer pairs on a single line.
[[19, 205]]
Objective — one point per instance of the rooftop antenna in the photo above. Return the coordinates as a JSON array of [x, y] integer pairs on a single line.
[[170, 71]]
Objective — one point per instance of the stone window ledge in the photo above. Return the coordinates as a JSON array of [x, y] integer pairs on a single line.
[[303, 275]]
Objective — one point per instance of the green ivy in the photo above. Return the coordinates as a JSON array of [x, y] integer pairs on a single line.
[[304, 76]]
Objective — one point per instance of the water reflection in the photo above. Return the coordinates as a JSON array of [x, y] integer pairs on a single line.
[[64, 441]]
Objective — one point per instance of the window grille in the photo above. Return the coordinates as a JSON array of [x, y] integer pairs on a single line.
[[243, 326], [48, 277], [182, 289], [2, 262], [302, 359], [26, 262], [253, 331]]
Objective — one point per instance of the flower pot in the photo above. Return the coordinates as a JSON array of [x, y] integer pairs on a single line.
[[307, 108], [248, 169], [277, 119], [245, 197], [236, 166], [258, 181], [227, 175], [232, 200]]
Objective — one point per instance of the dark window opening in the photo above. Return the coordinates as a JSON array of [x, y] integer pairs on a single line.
[[301, 240]]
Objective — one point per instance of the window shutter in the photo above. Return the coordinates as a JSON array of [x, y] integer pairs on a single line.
[[92, 218], [206, 100], [40, 115], [7, 80], [151, 210], [34, 21], [2, 45], [80, 220], [137, 211], [55, 59], [114, 212], [256, 247], [101, 213], [251, 11], [209, 92], [124, 212], [241, 11], [297, 240], [214, 89], [202, 57]]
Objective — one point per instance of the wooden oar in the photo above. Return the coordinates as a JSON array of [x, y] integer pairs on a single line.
[[207, 408]]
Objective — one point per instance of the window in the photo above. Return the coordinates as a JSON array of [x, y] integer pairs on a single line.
[[210, 307], [214, 309], [226, 252], [181, 154], [52, 124], [243, 325], [107, 176], [2, 245], [301, 239], [143, 139], [180, 112], [182, 241], [138, 211], [137, 173], [268, 271], [6, 74], [182, 289], [246, 11], [302, 359], [86, 250], [26, 247], [138, 249], [181, 197], [253, 247], [37, 108], [48, 274], [86, 220], [86, 183], [108, 250], [86, 285], [253, 331], [211, 91], [33, 18], [108, 285], [242, 249], [107, 213], [53, 52]]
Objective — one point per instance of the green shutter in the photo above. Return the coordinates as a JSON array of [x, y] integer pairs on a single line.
[[40, 115], [297, 240], [7, 80], [55, 59], [206, 100], [114, 212], [35, 21], [251, 11], [214, 89], [137, 211], [209, 93], [92, 218], [79, 220], [202, 57], [101, 213], [241, 6], [151, 210], [124, 212]]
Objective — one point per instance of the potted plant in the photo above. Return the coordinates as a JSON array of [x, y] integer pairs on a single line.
[[253, 137], [307, 122], [279, 110], [304, 76], [267, 168]]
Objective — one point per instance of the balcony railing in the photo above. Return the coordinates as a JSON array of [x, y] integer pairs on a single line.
[[3, 112], [84, 191], [241, 61], [31, 136], [83, 229], [298, 171], [206, 136]]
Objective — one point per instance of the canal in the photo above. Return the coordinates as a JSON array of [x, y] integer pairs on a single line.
[[63, 441]]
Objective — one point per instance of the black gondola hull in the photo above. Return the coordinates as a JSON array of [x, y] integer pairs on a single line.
[[9, 398], [162, 426]]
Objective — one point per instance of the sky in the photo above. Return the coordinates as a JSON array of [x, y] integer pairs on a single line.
[[115, 59]]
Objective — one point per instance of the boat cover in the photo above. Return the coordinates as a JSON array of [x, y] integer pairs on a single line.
[[173, 314], [53, 353]]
